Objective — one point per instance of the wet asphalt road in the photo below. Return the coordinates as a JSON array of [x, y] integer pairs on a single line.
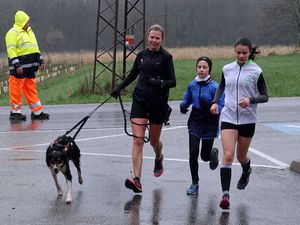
[[28, 195]]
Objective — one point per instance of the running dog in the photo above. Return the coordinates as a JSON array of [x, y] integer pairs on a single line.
[[58, 155]]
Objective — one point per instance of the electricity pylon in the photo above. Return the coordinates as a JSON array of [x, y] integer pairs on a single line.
[[120, 34]]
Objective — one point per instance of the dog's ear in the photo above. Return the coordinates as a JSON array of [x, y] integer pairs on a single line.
[[49, 149], [48, 152]]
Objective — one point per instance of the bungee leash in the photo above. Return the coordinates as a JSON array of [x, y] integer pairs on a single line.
[[124, 111], [83, 121]]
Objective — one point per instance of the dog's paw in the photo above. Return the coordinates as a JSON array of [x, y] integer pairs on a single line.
[[80, 180], [68, 200], [60, 193], [69, 196]]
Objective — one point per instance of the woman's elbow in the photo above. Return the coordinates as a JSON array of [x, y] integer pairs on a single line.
[[174, 83]]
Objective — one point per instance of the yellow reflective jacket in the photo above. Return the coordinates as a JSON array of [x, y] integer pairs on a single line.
[[22, 48]]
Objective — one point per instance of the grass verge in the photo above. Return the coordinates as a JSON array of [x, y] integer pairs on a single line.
[[280, 72]]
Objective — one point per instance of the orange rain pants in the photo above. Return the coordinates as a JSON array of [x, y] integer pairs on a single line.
[[18, 86]]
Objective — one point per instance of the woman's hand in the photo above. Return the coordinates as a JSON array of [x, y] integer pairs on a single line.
[[244, 102], [183, 108], [116, 92], [214, 109]]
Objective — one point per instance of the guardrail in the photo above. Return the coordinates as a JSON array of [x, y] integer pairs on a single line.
[[52, 70]]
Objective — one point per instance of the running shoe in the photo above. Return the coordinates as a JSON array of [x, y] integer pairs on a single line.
[[158, 167], [224, 204], [214, 160], [244, 180], [134, 184], [193, 189]]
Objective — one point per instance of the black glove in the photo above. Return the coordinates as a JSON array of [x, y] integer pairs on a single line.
[[156, 82], [116, 92], [183, 108], [205, 104]]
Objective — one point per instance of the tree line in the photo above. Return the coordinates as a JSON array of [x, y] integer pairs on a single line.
[[70, 25]]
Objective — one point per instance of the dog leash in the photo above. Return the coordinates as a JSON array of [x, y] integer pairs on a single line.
[[83, 121], [124, 111]]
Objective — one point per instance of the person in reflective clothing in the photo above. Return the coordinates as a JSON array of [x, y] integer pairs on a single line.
[[24, 60]]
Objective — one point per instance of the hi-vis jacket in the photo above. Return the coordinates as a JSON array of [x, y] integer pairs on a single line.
[[242, 81], [22, 48]]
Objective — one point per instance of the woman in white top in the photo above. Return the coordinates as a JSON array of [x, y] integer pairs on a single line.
[[244, 86]]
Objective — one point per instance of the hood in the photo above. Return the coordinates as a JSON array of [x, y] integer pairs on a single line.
[[21, 18]]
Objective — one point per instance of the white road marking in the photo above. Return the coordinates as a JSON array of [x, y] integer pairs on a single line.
[[293, 126], [267, 157], [144, 157], [59, 130], [26, 148]]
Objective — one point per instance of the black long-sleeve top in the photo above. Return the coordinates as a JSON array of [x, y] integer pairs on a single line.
[[148, 65]]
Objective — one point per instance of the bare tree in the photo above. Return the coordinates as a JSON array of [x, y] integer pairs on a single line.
[[297, 13], [283, 19], [64, 25]]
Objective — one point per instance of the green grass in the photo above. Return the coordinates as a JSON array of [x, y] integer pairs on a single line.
[[282, 75], [186, 71]]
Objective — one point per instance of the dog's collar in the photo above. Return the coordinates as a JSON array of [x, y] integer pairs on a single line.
[[66, 147]]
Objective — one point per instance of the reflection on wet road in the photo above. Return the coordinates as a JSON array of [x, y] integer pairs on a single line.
[[29, 196]]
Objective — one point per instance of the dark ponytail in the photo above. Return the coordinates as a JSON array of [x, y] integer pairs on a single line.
[[246, 42]]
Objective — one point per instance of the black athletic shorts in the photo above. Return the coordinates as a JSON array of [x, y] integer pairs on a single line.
[[244, 130], [154, 112]]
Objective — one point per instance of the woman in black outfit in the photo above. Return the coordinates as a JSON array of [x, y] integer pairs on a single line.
[[154, 67]]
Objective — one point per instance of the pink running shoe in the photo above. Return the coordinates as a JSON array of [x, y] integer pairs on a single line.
[[224, 204], [134, 184]]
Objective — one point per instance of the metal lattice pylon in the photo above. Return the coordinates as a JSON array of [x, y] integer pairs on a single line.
[[117, 38]]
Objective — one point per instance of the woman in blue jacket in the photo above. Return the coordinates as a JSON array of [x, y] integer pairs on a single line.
[[201, 123]]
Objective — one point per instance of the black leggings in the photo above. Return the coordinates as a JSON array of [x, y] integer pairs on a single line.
[[206, 147]]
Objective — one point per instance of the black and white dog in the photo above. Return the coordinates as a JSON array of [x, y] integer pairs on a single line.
[[58, 155]]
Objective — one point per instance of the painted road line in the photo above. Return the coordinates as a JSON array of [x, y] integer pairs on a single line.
[[60, 130], [263, 155], [287, 128], [267, 157], [144, 157], [91, 138], [83, 129], [294, 126]]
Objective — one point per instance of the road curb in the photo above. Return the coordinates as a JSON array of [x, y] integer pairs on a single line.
[[295, 166]]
